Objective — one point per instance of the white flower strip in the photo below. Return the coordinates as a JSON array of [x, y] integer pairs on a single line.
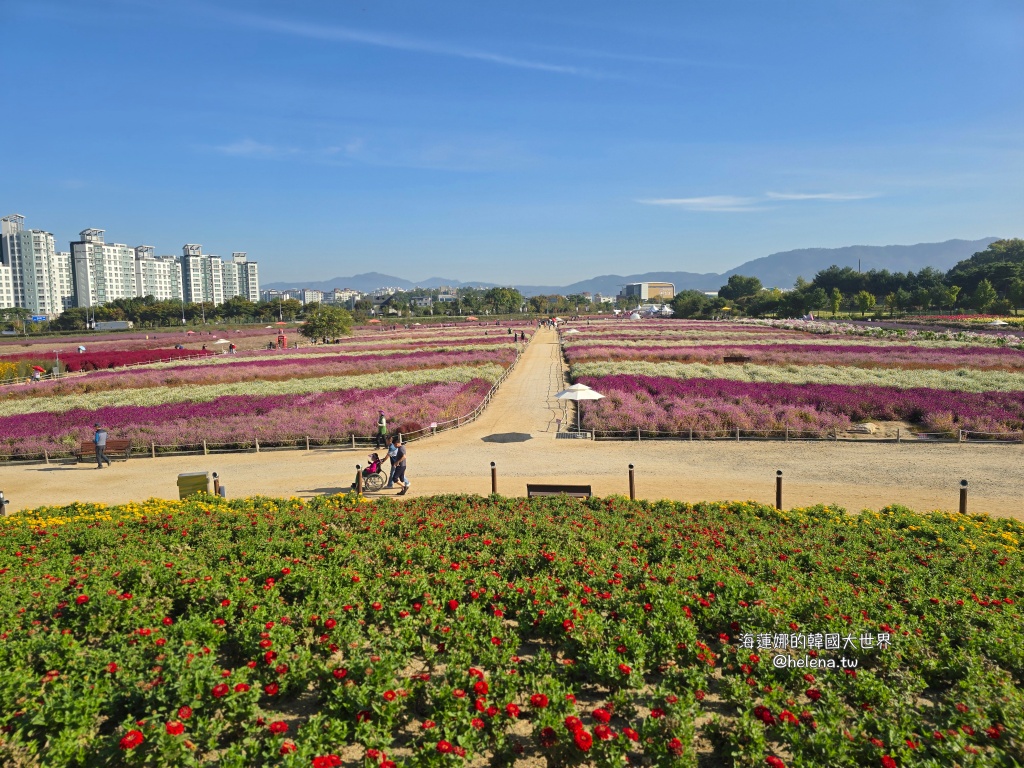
[[960, 380], [205, 393]]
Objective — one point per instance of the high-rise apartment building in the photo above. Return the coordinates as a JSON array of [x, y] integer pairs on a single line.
[[34, 275], [241, 278], [102, 271], [208, 278], [157, 276]]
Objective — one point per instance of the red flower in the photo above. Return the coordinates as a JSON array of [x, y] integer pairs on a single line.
[[630, 734], [458, 693], [601, 715], [428, 724], [185, 713], [675, 746], [175, 728], [241, 688], [785, 716], [168, 621], [583, 740], [444, 747], [220, 690], [603, 732], [495, 641], [512, 710], [573, 724], [993, 732], [271, 689], [112, 667], [453, 604], [131, 740], [656, 713], [288, 747], [377, 606], [389, 695], [548, 738], [568, 626], [480, 687], [225, 603], [625, 669], [326, 761], [538, 701], [477, 723], [330, 623], [82, 600], [774, 762], [888, 762], [765, 716], [813, 694], [278, 727], [339, 673]]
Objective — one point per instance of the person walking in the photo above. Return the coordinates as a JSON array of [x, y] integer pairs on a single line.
[[393, 457], [400, 464], [99, 439], [382, 432]]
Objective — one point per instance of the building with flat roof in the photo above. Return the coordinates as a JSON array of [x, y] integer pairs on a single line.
[[102, 271], [648, 291]]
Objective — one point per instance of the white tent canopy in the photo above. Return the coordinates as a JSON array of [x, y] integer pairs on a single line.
[[576, 393]]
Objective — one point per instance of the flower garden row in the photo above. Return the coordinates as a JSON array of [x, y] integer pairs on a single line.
[[814, 378], [321, 393], [445, 630]]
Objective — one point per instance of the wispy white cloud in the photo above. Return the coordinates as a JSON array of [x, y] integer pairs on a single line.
[[251, 148], [709, 203], [341, 34], [838, 196], [735, 203]]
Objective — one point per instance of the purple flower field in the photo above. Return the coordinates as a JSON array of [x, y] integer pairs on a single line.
[[239, 420], [871, 356], [266, 368], [677, 405]]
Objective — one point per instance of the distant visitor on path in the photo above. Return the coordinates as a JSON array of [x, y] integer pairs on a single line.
[[400, 464], [382, 432], [393, 457], [99, 439]]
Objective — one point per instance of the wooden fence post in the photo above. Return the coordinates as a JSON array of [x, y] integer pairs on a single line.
[[638, 434], [494, 478], [257, 445], [152, 450], [963, 497], [632, 484], [778, 489], [307, 442], [206, 451]]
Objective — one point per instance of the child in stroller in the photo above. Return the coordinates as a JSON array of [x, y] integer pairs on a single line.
[[374, 475]]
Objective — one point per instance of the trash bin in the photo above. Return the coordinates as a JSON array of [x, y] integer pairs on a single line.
[[190, 483]]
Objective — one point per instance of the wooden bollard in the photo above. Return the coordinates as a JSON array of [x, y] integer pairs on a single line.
[[963, 497], [632, 484], [778, 489], [359, 480], [494, 478]]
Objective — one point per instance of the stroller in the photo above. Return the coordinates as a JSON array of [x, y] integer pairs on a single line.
[[374, 476]]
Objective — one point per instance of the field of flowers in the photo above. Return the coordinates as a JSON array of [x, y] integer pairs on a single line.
[[278, 397], [807, 379], [460, 630]]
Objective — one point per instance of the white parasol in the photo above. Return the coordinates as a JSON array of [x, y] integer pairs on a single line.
[[576, 393]]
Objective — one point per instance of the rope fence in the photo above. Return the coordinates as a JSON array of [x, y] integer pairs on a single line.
[[792, 435]]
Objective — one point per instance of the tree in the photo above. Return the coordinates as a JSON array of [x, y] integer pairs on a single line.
[[1015, 293], [326, 322], [688, 304], [835, 301], [865, 301], [984, 295], [739, 286], [890, 303]]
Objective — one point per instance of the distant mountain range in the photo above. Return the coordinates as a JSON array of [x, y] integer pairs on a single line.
[[779, 270]]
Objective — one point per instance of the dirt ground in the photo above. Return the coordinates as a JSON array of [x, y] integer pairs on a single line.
[[517, 432]]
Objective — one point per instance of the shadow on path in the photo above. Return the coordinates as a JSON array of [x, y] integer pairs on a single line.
[[508, 437]]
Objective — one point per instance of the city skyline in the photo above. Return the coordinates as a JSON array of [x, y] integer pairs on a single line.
[[487, 144]]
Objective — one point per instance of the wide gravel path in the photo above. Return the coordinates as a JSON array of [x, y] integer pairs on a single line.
[[517, 432]]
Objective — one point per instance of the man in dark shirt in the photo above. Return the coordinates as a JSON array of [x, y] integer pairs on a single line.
[[399, 463]]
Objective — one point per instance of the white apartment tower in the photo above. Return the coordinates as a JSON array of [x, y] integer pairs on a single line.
[[157, 276], [241, 278], [102, 271], [33, 274], [208, 278]]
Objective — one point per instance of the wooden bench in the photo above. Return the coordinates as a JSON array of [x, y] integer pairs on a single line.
[[577, 491], [119, 449], [736, 359]]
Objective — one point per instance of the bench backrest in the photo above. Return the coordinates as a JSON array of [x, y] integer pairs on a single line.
[[112, 445], [577, 491]]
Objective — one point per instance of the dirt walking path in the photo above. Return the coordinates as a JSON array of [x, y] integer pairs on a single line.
[[517, 432]]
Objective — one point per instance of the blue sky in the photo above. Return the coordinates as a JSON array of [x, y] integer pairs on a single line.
[[528, 142]]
